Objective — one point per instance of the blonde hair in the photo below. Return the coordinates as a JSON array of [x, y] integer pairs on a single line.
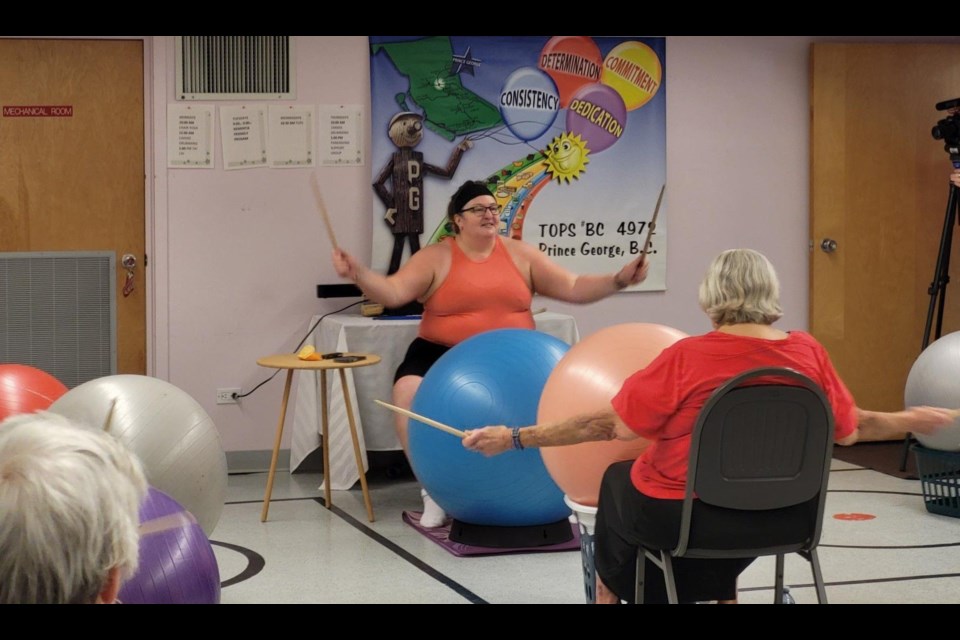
[[69, 510], [741, 286]]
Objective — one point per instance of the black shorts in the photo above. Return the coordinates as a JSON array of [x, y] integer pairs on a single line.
[[420, 357]]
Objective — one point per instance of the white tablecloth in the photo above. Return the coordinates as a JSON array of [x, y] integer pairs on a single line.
[[388, 339]]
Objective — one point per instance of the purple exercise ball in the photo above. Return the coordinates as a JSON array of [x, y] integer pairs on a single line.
[[177, 563]]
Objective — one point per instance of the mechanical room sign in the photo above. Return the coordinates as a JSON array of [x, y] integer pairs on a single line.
[[38, 111]]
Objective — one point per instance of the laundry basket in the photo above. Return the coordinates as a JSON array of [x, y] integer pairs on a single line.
[[939, 473]]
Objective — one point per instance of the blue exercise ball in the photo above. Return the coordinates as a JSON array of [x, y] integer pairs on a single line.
[[492, 378]]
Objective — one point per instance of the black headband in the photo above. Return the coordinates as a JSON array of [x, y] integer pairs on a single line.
[[467, 192]]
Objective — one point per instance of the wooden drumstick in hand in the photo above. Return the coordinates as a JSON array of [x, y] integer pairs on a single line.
[[323, 210], [423, 419], [653, 223], [651, 226]]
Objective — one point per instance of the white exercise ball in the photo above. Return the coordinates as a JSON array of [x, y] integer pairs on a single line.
[[171, 433], [934, 381]]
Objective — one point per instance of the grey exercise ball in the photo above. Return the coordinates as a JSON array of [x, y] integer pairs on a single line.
[[934, 381], [171, 433]]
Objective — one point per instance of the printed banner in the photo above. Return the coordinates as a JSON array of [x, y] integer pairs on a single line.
[[568, 132]]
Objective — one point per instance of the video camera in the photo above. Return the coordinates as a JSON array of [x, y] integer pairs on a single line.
[[948, 130]]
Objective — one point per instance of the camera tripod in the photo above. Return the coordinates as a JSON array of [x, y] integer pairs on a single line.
[[938, 287]]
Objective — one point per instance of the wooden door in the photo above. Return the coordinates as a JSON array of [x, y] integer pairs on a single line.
[[879, 189], [73, 179]]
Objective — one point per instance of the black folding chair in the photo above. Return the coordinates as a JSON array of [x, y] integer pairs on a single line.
[[759, 463]]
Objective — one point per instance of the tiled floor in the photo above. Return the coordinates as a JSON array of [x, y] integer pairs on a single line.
[[305, 553]]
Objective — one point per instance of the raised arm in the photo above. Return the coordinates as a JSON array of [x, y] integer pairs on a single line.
[[601, 425], [554, 281], [411, 282]]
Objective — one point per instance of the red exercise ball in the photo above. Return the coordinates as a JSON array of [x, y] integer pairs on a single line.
[[584, 381], [26, 389]]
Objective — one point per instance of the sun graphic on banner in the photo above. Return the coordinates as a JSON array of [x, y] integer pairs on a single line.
[[566, 157]]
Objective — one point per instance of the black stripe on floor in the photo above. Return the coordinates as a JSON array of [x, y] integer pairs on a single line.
[[854, 582], [403, 553], [272, 500], [255, 563]]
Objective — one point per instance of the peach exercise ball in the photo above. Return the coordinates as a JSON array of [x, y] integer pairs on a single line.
[[584, 381]]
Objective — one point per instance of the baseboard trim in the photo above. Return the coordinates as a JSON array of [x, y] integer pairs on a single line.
[[256, 461], [259, 461]]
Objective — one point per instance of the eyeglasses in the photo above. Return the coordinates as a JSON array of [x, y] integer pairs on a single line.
[[479, 210]]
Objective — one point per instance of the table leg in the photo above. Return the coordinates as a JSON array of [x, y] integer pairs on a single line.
[[325, 434], [276, 446], [356, 444]]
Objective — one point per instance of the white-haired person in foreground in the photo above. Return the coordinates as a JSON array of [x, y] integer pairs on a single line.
[[69, 512]]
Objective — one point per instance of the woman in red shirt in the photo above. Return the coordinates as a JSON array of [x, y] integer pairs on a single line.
[[640, 501]]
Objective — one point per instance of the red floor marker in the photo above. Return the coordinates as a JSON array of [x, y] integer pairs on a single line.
[[853, 516]]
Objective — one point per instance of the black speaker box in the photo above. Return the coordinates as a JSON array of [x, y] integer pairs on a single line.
[[338, 291]]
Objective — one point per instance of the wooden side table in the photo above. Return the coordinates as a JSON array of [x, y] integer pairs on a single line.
[[291, 362]]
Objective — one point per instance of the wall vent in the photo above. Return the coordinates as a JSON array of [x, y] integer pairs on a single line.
[[235, 68], [57, 313]]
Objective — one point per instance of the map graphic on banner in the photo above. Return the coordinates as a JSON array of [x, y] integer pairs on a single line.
[[568, 133]]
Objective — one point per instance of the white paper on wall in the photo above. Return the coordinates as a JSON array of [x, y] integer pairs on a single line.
[[243, 136], [189, 136]]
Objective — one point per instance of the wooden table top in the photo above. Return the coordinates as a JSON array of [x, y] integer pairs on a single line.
[[291, 361]]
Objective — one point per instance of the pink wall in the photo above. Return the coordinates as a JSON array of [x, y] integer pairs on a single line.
[[237, 254]]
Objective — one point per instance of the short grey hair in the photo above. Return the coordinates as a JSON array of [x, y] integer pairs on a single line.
[[741, 286], [69, 510]]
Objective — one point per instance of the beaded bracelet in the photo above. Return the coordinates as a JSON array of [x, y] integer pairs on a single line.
[[516, 438]]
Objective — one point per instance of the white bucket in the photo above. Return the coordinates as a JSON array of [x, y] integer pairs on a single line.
[[586, 519]]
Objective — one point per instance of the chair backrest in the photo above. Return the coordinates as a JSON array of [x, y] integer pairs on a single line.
[[762, 443]]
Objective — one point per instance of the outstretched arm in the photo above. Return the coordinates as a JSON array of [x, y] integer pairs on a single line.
[[553, 281], [602, 425], [412, 281], [885, 425]]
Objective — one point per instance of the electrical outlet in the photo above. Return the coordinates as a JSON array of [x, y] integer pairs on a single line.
[[227, 396]]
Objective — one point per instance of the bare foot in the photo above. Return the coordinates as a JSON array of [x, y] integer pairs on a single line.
[[604, 595]]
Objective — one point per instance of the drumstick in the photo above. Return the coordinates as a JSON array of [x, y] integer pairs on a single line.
[[650, 227], [109, 418], [323, 210], [653, 221], [427, 421]]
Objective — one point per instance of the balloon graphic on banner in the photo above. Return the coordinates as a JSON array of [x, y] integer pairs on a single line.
[[572, 62], [634, 70], [529, 102], [597, 113]]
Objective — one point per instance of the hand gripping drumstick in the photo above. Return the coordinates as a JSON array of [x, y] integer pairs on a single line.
[[427, 421], [650, 227], [323, 210]]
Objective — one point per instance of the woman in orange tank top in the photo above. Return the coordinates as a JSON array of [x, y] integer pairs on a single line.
[[473, 282]]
